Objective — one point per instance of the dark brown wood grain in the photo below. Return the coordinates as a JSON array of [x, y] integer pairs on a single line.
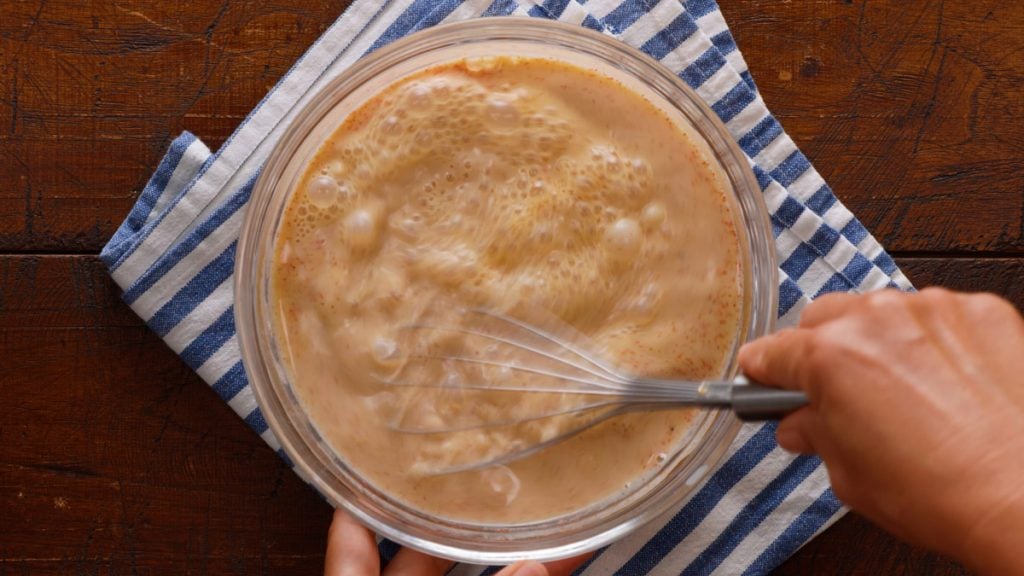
[[114, 455], [906, 108], [92, 93], [116, 459]]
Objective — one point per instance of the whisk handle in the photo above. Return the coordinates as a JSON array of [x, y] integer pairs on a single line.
[[752, 402]]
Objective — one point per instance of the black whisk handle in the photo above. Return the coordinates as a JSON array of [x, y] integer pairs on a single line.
[[755, 403]]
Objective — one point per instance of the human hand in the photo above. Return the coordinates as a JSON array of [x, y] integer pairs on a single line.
[[352, 551], [916, 407]]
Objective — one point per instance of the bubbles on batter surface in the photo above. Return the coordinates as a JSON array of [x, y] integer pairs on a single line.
[[624, 236], [502, 110], [325, 192], [361, 227], [654, 214], [540, 208]]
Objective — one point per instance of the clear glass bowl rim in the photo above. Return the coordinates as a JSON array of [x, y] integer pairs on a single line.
[[487, 544]]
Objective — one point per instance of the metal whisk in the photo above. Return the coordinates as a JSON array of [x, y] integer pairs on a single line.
[[514, 356]]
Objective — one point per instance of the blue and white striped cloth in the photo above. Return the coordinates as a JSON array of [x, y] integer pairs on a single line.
[[174, 257]]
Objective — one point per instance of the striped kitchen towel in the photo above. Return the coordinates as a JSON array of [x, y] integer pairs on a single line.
[[174, 257]]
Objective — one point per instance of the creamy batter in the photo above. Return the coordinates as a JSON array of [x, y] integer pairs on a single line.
[[521, 185]]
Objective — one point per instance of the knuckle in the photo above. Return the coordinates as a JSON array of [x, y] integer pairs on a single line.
[[936, 292], [809, 312], [988, 303], [887, 304], [822, 308], [937, 296], [819, 352], [885, 299], [826, 300]]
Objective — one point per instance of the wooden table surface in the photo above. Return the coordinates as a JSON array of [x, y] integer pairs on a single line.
[[116, 459]]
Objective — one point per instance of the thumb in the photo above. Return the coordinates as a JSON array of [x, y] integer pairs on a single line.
[[524, 568], [778, 359]]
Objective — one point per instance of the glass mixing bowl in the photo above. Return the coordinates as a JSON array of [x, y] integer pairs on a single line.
[[712, 431]]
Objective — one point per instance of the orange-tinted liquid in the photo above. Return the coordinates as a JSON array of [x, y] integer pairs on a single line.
[[527, 186]]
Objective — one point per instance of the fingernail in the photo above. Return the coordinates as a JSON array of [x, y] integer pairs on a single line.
[[527, 568]]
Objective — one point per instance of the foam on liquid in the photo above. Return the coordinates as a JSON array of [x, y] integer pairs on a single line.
[[519, 185]]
